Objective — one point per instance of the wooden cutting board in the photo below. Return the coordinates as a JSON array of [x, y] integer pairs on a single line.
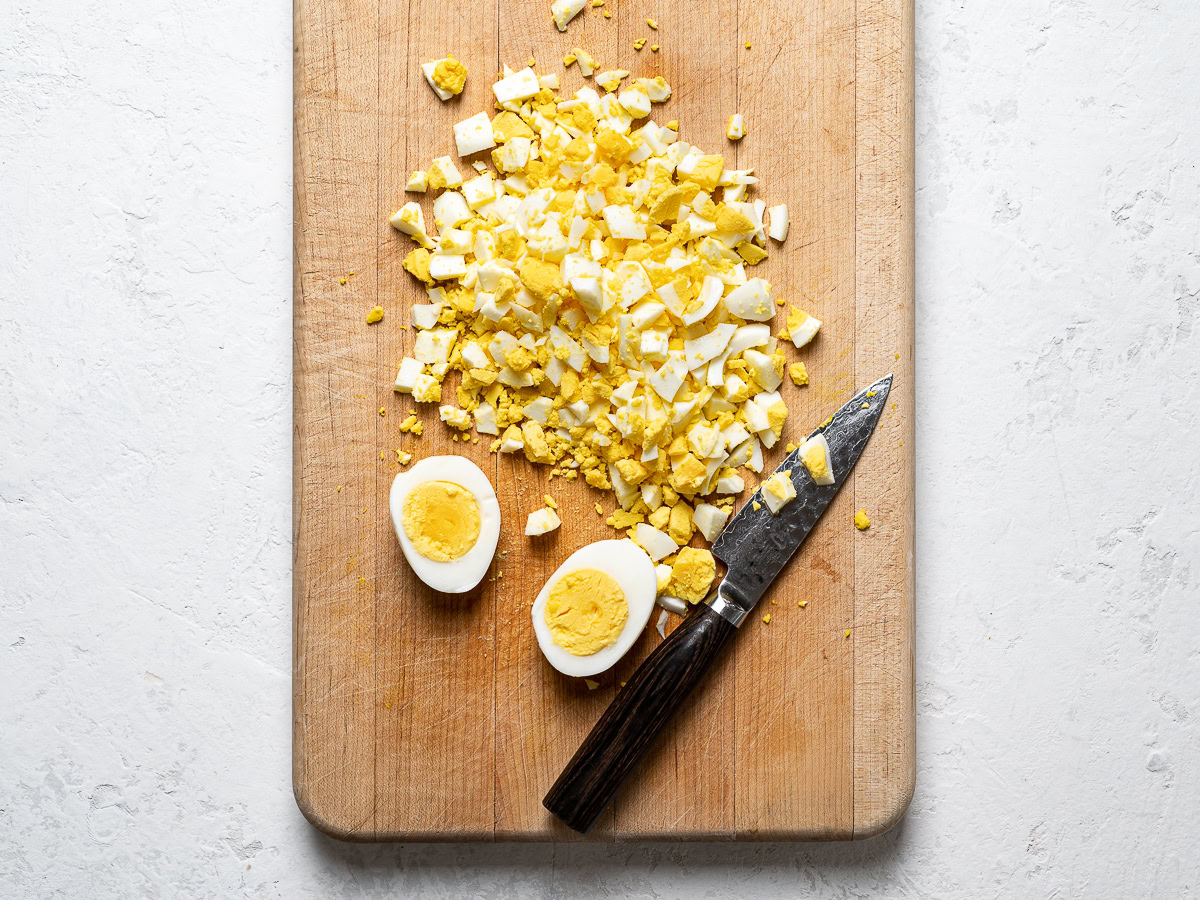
[[427, 717]]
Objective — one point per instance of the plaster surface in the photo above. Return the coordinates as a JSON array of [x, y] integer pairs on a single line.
[[145, 473]]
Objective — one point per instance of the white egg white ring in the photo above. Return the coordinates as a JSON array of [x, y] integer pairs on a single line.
[[631, 568], [462, 574]]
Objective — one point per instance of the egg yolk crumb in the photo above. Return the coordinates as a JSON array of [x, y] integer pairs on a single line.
[[586, 611], [450, 75], [861, 520], [375, 315], [441, 519]]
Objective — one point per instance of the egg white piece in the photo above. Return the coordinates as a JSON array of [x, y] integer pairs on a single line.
[[630, 567], [458, 575]]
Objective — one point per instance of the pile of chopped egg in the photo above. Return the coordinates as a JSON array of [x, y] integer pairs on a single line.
[[594, 294]]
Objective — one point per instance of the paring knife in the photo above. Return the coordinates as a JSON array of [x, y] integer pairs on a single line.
[[754, 546]]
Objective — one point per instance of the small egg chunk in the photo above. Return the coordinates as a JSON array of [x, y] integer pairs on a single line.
[[778, 491], [563, 11], [441, 519], [375, 315], [474, 134], [692, 574], [802, 327], [861, 520], [735, 129], [446, 76], [709, 520], [814, 453], [778, 229], [541, 521]]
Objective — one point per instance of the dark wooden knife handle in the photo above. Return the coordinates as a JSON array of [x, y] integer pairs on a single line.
[[634, 719]]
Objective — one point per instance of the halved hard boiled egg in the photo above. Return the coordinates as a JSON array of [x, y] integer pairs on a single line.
[[447, 519], [594, 606]]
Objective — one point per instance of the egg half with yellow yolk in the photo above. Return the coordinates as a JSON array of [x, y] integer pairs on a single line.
[[594, 606], [447, 519]]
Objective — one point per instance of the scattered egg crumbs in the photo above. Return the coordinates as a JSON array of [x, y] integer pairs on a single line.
[[590, 293], [549, 501], [802, 603], [591, 685], [798, 373], [639, 43], [847, 632], [861, 520], [653, 24], [375, 315], [654, 48], [767, 619]]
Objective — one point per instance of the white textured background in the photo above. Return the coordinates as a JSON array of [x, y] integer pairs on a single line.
[[145, 356]]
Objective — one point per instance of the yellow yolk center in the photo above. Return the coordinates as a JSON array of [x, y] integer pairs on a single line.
[[816, 461], [586, 611], [441, 519]]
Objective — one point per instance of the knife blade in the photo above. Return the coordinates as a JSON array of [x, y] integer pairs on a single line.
[[755, 546]]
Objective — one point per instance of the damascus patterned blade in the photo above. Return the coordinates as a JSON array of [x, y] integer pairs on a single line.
[[757, 545]]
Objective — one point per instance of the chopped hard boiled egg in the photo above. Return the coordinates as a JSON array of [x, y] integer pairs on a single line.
[[814, 453], [541, 521], [474, 134], [446, 76], [861, 520], [594, 607], [563, 11], [590, 303], [802, 327], [778, 491], [709, 520], [778, 229], [447, 519], [735, 129], [692, 574]]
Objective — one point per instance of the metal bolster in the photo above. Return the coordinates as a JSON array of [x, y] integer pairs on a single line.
[[724, 605]]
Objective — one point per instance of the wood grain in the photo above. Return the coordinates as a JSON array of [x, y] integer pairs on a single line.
[[420, 716]]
